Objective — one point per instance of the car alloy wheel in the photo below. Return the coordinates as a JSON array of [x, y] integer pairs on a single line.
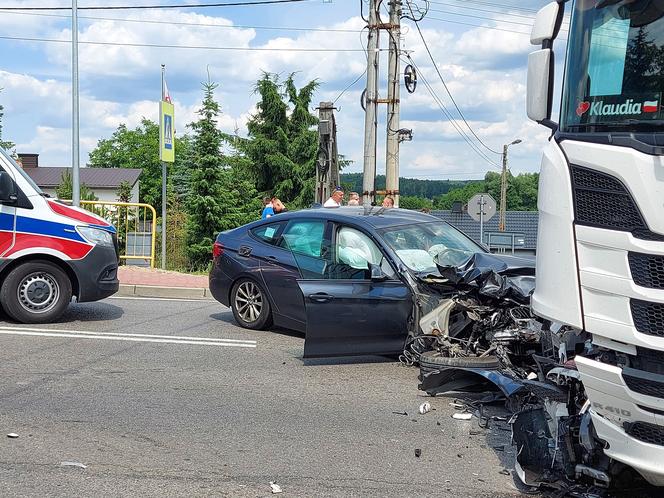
[[248, 301]]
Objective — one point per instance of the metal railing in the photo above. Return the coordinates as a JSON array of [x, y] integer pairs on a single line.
[[136, 225]]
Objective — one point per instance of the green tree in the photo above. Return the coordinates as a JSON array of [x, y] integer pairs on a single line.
[[414, 202], [65, 189], [139, 148], [521, 191], [282, 145], [123, 193], [220, 197]]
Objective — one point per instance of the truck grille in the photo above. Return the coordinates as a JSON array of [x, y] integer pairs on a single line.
[[648, 317], [647, 270], [648, 433], [602, 201], [644, 386], [648, 360]]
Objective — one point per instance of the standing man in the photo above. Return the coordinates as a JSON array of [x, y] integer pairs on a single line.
[[335, 199]]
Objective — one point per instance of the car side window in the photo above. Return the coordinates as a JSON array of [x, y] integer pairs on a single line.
[[354, 251], [307, 242], [268, 233], [304, 237]]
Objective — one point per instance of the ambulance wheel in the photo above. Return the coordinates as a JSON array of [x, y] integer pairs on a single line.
[[36, 292]]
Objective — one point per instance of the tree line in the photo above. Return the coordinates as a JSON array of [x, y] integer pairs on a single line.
[[218, 180]]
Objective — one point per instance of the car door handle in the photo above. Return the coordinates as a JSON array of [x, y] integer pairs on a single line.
[[272, 258], [320, 297], [244, 251]]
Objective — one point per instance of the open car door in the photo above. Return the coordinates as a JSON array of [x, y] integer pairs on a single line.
[[354, 302]]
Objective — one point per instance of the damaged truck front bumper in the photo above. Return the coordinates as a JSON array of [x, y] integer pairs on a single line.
[[630, 423]]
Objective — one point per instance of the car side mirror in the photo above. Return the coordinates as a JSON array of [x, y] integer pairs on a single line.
[[7, 189], [377, 273]]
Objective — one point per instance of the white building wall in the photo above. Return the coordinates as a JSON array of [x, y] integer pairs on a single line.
[[104, 194]]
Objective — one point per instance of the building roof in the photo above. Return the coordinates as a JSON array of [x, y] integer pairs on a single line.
[[92, 177], [517, 222]]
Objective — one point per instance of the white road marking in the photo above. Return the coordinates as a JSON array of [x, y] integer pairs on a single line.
[[113, 336]]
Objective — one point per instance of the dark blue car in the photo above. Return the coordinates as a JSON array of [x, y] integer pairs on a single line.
[[343, 276]]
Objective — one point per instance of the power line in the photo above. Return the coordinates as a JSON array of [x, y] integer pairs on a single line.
[[349, 86], [490, 4], [479, 9], [433, 61], [151, 7], [449, 116], [199, 47], [193, 24]]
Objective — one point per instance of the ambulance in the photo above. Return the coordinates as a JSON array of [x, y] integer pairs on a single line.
[[50, 252]]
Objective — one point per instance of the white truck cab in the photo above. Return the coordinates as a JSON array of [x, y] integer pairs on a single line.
[[600, 250], [49, 251]]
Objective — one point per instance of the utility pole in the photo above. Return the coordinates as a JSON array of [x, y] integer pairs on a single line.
[[327, 162], [392, 145], [503, 187], [76, 155], [370, 116]]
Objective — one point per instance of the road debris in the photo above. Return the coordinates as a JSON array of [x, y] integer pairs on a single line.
[[73, 464], [275, 488], [401, 413], [418, 452], [462, 416], [425, 408], [12, 435]]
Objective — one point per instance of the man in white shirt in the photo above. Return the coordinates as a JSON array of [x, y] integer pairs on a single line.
[[335, 199]]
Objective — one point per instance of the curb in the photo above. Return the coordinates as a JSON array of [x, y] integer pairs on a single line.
[[132, 290]]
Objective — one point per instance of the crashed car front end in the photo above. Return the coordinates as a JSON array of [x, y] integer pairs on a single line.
[[483, 336]]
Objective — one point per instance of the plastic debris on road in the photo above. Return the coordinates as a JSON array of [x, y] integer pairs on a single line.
[[462, 416], [73, 464], [418, 452], [425, 408], [275, 488], [12, 435]]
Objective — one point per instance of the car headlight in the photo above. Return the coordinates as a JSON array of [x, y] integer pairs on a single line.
[[96, 236]]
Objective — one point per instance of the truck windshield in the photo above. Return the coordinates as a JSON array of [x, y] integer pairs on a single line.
[[615, 67]]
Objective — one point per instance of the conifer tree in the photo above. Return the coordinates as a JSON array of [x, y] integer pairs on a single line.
[[219, 198], [281, 148]]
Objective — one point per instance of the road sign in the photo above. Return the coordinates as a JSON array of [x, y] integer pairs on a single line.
[[479, 203]]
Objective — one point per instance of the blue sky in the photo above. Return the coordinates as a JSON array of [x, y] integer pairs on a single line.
[[480, 47]]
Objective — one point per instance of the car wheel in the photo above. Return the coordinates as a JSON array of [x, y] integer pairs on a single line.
[[250, 305], [435, 360], [36, 292]]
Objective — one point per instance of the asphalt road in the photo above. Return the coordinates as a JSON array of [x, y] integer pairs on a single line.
[[203, 416]]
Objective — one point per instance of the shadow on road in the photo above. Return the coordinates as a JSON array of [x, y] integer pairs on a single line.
[[91, 312]]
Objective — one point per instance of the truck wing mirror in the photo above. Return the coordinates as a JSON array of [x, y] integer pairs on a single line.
[[547, 23], [538, 101], [540, 63], [7, 188]]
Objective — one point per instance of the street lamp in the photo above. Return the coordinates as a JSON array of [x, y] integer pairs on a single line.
[[503, 186]]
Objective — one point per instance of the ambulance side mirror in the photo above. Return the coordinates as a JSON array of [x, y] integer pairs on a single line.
[[7, 189]]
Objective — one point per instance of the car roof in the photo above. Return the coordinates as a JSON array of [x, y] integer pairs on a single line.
[[377, 217]]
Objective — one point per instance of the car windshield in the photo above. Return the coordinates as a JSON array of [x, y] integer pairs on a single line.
[[614, 76], [418, 245]]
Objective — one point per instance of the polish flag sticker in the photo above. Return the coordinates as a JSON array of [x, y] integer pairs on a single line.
[[651, 106]]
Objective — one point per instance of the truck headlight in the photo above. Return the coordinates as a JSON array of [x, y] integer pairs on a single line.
[[96, 236]]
